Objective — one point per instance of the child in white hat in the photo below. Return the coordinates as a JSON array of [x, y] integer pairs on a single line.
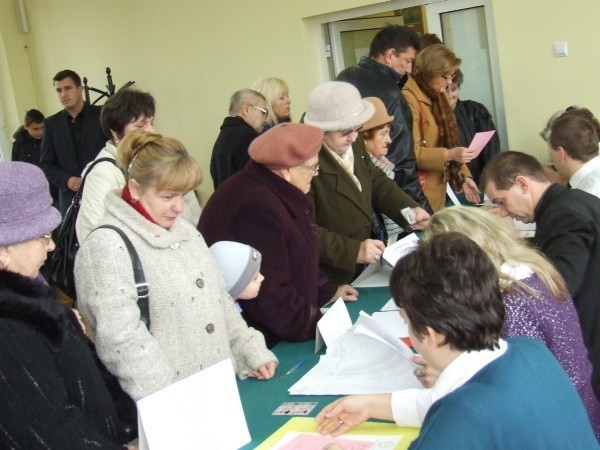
[[240, 266]]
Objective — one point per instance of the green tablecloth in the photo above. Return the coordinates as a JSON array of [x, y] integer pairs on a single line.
[[261, 398]]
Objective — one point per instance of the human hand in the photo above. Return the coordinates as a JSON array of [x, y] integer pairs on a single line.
[[347, 292], [370, 251], [459, 154], [421, 219], [73, 183], [471, 190], [343, 414], [426, 374], [264, 372]]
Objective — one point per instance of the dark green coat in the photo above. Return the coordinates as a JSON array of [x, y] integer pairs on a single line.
[[343, 213]]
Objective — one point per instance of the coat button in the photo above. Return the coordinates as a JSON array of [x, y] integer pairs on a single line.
[[200, 283], [210, 328]]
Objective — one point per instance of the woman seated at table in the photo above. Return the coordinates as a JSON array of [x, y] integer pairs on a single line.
[[193, 321], [535, 296], [492, 393], [349, 187], [51, 392], [440, 159], [265, 206]]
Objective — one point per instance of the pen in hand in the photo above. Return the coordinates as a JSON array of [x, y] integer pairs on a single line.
[[294, 367]]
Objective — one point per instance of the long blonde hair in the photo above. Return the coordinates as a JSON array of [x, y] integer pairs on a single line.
[[499, 240], [156, 161]]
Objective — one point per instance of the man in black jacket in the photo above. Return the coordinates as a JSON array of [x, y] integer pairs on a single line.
[[72, 138], [382, 74], [247, 114], [567, 232]]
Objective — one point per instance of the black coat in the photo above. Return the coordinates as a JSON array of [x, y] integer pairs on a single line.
[[58, 158], [568, 233], [26, 149], [473, 117], [51, 394], [373, 79], [230, 152]]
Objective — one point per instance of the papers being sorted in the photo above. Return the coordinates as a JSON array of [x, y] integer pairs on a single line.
[[189, 413], [373, 328], [480, 140], [333, 324], [398, 250], [358, 364]]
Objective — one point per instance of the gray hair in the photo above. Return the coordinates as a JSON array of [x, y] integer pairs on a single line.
[[243, 97]]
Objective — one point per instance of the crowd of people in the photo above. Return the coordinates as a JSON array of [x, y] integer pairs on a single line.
[[507, 331]]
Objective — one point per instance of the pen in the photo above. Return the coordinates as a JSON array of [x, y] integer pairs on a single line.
[[382, 239], [294, 367]]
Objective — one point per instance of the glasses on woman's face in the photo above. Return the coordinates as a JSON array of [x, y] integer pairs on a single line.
[[263, 111], [448, 78], [314, 169]]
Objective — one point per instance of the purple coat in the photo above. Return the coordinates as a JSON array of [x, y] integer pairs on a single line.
[[258, 208], [556, 325]]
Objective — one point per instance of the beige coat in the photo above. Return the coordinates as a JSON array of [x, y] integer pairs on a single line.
[[430, 157], [194, 323]]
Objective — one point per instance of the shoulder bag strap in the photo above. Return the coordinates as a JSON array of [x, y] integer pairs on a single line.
[[138, 274]]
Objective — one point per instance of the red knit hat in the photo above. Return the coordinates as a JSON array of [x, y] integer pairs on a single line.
[[286, 145]]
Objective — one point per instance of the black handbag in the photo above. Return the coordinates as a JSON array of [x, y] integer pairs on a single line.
[[62, 261], [124, 404]]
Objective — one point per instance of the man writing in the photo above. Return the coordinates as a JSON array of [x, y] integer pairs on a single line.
[[382, 74], [568, 233], [72, 138]]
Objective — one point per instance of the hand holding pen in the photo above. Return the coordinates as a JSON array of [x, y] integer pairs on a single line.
[[294, 367]]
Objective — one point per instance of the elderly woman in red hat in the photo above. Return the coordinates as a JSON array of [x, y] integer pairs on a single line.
[[51, 392], [265, 205]]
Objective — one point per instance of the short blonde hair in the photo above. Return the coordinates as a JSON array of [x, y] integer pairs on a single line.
[[498, 239], [156, 161], [272, 88]]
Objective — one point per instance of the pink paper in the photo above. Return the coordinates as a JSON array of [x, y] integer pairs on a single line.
[[480, 140], [317, 442]]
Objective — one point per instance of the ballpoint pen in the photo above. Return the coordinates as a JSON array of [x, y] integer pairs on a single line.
[[294, 367]]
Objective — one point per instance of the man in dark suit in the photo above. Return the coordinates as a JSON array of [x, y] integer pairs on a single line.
[[72, 138], [567, 232]]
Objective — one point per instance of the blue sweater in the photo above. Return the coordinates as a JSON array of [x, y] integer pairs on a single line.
[[522, 400]]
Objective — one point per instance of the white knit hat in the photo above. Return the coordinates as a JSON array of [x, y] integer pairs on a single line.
[[337, 106], [238, 263]]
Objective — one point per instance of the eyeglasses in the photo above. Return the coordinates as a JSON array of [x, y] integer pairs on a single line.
[[263, 111], [347, 133], [314, 169], [47, 239], [449, 78]]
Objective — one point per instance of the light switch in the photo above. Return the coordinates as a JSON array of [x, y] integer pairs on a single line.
[[560, 49]]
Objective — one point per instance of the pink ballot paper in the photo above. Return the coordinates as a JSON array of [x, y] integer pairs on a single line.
[[480, 140]]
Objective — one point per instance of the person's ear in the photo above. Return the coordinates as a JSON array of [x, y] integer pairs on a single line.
[[562, 154], [4, 257], [135, 189], [432, 338], [522, 183], [114, 136], [388, 55]]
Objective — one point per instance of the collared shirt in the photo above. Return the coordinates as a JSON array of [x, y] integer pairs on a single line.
[[410, 406], [587, 177], [347, 162]]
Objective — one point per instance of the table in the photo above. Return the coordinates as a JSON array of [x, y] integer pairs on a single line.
[[261, 398]]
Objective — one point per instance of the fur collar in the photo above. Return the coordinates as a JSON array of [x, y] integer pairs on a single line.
[[28, 301]]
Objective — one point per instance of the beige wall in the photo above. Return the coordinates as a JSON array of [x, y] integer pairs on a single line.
[[192, 54]]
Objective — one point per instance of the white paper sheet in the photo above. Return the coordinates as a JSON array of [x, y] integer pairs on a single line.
[[199, 412], [452, 195], [378, 330], [358, 364], [374, 275], [393, 253], [333, 324]]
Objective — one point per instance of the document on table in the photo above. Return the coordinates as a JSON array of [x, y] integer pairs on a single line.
[[358, 364], [399, 249], [189, 413], [333, 324], [374, 275]]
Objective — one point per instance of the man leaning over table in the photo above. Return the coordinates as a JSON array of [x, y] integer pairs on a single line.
[[492, 393]]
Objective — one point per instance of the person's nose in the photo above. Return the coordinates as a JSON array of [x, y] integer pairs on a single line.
[[51, 245], [149, 128], [408, 68], [352, 137], [178, 205]]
